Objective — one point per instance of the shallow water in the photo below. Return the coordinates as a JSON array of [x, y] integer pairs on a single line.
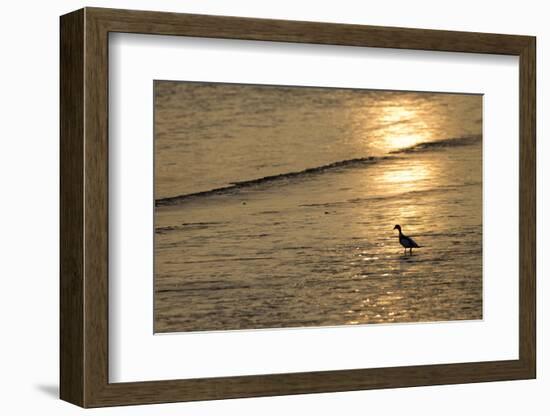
[[315, 247]]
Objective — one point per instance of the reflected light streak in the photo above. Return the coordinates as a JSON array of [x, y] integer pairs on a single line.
[[403, 127], [407, 176]]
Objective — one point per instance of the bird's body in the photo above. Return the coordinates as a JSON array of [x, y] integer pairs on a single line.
[[405, 241]]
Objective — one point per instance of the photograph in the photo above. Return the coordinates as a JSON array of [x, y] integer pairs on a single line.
[[294, 206]]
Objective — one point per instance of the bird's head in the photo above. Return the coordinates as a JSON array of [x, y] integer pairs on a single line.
[[397, 227]]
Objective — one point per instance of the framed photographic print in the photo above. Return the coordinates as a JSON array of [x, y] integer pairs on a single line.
[[255, 207]]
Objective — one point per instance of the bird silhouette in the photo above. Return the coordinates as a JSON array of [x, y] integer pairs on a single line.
[[405, 241]]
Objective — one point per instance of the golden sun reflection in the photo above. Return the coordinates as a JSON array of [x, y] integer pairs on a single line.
[[403, 127], [402, 142], [407, 176]]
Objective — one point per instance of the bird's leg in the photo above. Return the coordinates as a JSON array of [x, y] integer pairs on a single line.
[[411, 251]]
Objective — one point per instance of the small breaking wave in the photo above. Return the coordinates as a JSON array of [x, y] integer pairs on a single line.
[[440, 144], [234, 186], [339, 165]]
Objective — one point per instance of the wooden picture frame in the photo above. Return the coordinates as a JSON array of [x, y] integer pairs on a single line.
[[84, 207]]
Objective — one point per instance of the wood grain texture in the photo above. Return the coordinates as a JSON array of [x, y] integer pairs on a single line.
[[96, 208], [72, 368], [162, 23], [84, 207], [528, 207]]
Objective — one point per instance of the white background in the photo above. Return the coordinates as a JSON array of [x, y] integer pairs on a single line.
[[193, 355], [29, 220]]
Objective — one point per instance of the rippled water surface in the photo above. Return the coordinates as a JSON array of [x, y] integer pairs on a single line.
[[275, 206]]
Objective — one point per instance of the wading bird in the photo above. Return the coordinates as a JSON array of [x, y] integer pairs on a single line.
[[405, 241]]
